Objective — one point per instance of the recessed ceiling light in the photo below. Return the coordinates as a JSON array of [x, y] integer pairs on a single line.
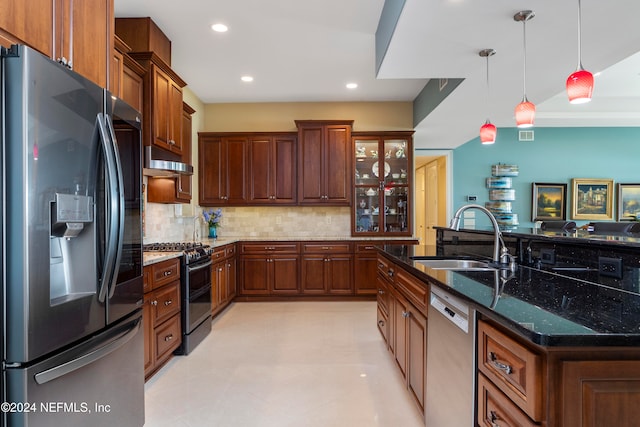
[[220, 28], [352, 85], [246, 79]]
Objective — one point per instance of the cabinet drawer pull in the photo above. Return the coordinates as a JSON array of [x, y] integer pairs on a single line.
[[390, 273], [493, 417], [154, 302], [381, 291], [168, 337], [381, 266], [406, 314], [168, 302], [167, 273], [369, 248], [381, 323], [507, 369], [325, 248]]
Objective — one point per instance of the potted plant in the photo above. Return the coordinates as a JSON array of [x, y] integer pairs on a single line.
[[213, 218]]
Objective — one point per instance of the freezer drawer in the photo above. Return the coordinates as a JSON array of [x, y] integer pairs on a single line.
[[99, 382]]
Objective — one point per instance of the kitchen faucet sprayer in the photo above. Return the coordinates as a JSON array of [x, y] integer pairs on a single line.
[[501, 256]]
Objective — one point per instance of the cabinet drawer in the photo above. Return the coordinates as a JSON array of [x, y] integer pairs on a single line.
[[383, 324], [327, 247], [165, 303], [495, 409], [367, 247], [230, 250], [165, 272], [382, 295], [168, 337], [268, 247], [386, 269], [218, 254], [512, 367], [415, 290]]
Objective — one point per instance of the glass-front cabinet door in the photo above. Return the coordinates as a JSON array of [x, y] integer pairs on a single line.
[[383, 192]]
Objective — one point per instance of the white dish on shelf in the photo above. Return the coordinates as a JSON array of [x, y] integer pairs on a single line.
[[375, 168]]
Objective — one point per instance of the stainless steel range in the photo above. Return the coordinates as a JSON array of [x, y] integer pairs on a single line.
[[195, 290]]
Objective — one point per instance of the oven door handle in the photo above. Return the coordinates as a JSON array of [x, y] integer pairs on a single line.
[[199, 267]]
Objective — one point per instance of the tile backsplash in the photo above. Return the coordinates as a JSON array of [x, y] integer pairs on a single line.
[[162, 224]]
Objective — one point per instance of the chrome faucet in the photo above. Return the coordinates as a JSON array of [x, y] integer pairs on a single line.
[[501, 256]]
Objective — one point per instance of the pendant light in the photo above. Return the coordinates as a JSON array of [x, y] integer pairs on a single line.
[[525, 112], [580, 83], [488, 130]]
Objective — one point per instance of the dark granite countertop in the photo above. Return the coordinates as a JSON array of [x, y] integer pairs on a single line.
[[576, 236], [547, 308]]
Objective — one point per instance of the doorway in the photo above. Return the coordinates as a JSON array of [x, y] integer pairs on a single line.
[[432, 204]]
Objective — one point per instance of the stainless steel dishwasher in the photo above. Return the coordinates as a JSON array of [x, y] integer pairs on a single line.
[[451, 362]]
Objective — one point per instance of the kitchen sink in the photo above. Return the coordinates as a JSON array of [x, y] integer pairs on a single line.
[[456, 264]]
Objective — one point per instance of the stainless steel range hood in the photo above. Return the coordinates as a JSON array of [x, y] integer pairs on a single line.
[[158, 162]]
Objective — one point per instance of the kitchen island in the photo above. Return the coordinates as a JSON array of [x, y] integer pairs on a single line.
[[551, 349]]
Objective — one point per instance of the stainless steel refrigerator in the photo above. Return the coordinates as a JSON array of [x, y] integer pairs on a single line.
[[72, 342]]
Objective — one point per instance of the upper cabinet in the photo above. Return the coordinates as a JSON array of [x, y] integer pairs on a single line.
[[79, 33], [240, 168], [162, 87], [162, 100], [222, 167], [382, 169], [324, 162], [271, 172], [127, 76]]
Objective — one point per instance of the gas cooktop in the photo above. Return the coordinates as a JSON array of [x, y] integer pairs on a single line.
[[191, 251]]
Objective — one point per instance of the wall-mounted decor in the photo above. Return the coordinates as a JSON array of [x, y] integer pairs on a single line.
[[592, 199], [628, 202], [549, 202], [501, 194]]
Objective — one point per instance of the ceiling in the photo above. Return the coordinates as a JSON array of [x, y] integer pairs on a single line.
[[306, 51]]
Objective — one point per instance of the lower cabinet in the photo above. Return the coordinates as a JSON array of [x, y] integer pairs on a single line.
[[269, 269], [404, 327], [223, 278], [161, 313], [521, 384], [327, 268], [365, 261]]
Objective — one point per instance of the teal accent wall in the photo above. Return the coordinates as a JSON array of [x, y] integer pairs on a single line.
[[555, 156]]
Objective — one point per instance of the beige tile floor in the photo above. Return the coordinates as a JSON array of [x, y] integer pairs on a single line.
[[302, 364]]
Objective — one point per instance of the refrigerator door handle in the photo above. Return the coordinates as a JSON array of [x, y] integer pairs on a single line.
[[118, 164], [108, 272], [95, 354]]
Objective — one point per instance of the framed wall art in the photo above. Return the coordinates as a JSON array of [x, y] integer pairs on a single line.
[[592, 199], [628, 202], [549, 202]]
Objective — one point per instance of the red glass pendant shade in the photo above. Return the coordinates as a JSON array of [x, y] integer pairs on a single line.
[[525, 113], [488, 133], [580, 86]]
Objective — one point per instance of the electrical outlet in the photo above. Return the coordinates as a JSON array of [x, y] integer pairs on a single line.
[[547, 256], [611, 267]]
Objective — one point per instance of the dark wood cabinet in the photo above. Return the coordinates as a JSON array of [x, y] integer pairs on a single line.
[[324, 162], [404, 327], [327, 268], [183, 182], [223, 278], [383, 191], [522, 384], [271, 172], [127, 76], [80, 32], [222, 163], [161, 313], [162, 104], [239, 168], [269, 269]]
